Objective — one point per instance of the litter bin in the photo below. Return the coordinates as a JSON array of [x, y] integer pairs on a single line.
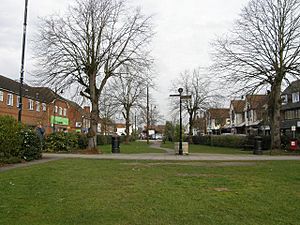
[[294, 145], [115, 144], [257, 147]]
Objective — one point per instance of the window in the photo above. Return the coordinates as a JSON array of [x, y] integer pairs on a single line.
[[44, 107], [295, 97], [289, 114], [1, 96], [10, 99], [65, 112], [55, 109], [284, 99], [30, 104], [60, 111], [38, 106], [18, 101]]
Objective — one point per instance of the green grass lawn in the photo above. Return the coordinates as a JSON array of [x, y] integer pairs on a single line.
[[132, 148], [77, 191], [209, 149]]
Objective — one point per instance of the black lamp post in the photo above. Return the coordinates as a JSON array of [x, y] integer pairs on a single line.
[[180, 90], [22, 63]]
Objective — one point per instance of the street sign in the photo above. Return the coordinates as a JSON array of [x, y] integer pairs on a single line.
[[186, 97]]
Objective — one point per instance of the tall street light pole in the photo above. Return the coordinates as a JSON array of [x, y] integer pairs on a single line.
[[180, 90], [22, 62]]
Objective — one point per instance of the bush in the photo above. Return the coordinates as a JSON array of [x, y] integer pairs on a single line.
[[61, 142], [83, 141], [232, 141], [103, 139], [31, 146], [201, 140], [17, 142], [10, 143]]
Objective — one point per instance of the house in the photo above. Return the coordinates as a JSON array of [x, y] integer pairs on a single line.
[[120, 129], [200, 125], [218, 120], [256, 114], [41, 105], [249, 115], [290, 108], [237, 118], [155, 132]]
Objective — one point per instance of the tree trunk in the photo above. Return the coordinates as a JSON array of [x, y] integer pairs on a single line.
[[127, 126], [274, 113], [92, 144], [191, 126]]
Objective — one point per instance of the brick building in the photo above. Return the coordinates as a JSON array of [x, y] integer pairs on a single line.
[[43, 106]]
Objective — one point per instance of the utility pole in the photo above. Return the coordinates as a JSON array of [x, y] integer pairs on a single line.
[[22, 63]]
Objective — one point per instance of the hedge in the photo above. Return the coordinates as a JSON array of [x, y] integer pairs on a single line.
[[233, 141], [17, 142]]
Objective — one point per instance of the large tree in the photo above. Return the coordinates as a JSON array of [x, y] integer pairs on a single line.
[[87, 46], [128, 92], [200, 88], [262, 51]]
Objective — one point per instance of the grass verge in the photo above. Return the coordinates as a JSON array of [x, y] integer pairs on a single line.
[[132, 148], [77, 191], [209, 149]]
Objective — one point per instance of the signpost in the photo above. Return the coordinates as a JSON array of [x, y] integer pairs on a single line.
[[185, 97]]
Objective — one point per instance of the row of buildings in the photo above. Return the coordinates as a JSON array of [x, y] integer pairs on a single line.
[[41, 105], [249, 115]]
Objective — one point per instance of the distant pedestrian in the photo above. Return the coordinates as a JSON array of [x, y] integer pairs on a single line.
[[41, 134]]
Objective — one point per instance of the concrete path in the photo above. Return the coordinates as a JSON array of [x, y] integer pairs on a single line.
[[169, 155], [25, 164], [173, 157]]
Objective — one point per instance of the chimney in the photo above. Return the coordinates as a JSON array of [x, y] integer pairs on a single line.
[[86, 109]]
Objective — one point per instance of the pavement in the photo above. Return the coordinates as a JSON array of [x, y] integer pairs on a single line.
[[169, 155]]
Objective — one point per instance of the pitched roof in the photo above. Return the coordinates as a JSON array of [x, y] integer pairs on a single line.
[[257, 101], [42, 94], [217, 113], [238, 105], [293, 87]]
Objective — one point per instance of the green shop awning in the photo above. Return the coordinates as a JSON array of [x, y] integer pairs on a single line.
[[59, 120]]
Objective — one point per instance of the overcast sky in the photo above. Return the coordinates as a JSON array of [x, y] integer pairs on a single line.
[[184, 30]]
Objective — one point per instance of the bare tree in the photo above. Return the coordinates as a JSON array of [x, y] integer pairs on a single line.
[[128, 91], [262, 51], [203, 95], [87, 46], [108, 108]]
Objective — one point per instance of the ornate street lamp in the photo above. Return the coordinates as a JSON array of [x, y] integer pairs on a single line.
[[180, 90]]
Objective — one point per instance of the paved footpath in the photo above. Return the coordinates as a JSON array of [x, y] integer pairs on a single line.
[[173, 157], [167, 156]]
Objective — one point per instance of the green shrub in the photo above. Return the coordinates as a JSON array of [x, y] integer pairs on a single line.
[[17, 142], [10, 143], [31, 146], [83, 141], [201, 140], [103, 139], [61, 142], [233, 141]]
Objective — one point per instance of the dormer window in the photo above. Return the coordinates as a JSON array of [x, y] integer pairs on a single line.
[[295, 97], [284, 99]]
